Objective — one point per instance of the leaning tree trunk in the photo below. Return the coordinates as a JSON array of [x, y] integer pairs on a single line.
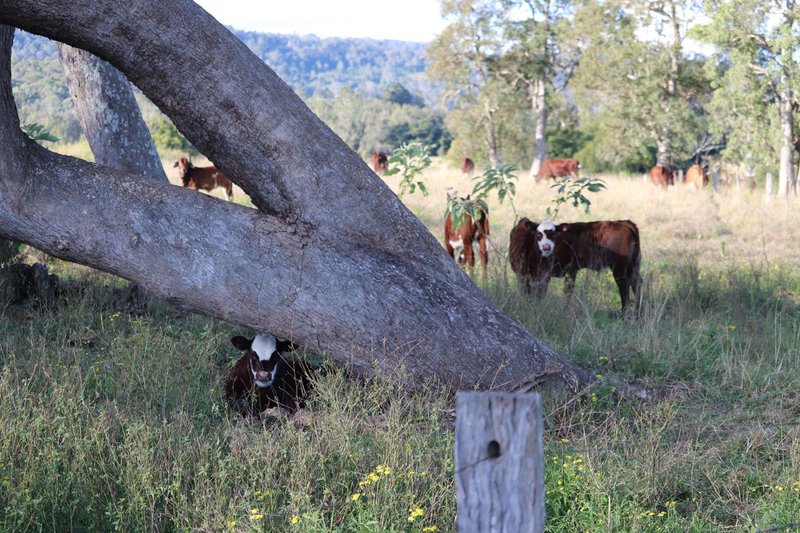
[[537, 94], [330, 259], [109, 114]]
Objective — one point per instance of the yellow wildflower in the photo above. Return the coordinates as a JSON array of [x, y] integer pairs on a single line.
[[295, 519], [430, 528], [355, 496], [415, 513]]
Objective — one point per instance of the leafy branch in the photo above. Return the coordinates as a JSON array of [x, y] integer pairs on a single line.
[[410, 160], [38, 132], [493, 179], [574, 191]]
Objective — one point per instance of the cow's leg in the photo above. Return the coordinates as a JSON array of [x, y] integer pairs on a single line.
[[484, 253], [469, 255], [624, 287], [449, 248], [229, 193], [569, 283]]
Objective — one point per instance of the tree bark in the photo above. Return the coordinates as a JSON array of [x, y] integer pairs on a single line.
[[109, 114], [786, 169], [491, 136], [537, 92], [331, 259]]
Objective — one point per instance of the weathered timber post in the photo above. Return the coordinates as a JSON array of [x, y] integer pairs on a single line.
[[499, 462]]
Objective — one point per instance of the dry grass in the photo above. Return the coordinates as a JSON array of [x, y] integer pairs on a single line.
[[113, 421]]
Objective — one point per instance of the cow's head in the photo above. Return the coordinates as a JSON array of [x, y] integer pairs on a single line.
[[263, 356], [184, 166], [546, 237]]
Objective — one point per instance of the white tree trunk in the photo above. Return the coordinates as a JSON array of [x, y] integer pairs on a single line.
[[537, 93], [786, 168]]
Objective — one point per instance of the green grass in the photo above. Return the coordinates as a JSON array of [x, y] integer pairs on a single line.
[[114, 421]]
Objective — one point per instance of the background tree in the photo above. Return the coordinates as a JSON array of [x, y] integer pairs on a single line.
[[539, 58], [639, 92], [763, 43], [463, 57], [319, 272], [109, 115]]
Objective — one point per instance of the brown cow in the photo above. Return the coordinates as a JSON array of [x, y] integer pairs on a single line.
[[203, 178], [538, 252], [467, 166], [380, 162], [262, 378], [697, 176], [662, 176], [557, 168], [463, 239]]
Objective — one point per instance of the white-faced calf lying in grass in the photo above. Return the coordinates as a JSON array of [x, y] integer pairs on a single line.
[[263, 378]]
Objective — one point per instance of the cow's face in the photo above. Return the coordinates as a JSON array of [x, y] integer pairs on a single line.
[[184, 165], [262, 357], [546, 237]]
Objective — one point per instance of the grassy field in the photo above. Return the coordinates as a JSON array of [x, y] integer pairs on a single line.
[[115, 421]]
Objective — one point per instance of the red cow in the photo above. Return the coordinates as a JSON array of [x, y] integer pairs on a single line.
[[697, 176], [467, 166], [662, 176], [557, 168], [380, 162], [538, 254], [464, 238], [203, 178], [262, 378]]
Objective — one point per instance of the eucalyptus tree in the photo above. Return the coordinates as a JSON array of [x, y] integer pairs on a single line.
[[464, 58], [759, 39], [329, 258], [636, 75], [543, 52]]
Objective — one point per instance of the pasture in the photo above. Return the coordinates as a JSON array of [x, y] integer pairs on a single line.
[[115, 420]]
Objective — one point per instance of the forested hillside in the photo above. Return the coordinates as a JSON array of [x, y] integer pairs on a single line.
[[385, 77], [324, 66]]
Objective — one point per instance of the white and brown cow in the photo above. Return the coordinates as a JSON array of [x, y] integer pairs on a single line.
[[538, 252], [459, 242], [263, 378]]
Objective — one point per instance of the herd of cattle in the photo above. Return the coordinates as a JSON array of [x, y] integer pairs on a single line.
[[539, 251]]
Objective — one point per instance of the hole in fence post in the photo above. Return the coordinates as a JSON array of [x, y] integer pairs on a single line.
[[493, 449]]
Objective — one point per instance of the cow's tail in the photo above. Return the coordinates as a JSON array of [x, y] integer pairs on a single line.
[[633, 273]]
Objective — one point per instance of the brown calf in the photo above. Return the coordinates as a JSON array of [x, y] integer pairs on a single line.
[[662, 176], [467, 166], [380, 162], [463, 239], [262, 378], [203, 178], [557, 168], [697, 176], [561, 251]]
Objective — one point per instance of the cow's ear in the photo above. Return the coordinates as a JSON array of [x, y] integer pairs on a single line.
[[562, 228], [285, 346], [175, 165], [241, 342]]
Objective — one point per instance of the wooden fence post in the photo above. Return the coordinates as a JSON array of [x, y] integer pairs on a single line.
[[499, 462]]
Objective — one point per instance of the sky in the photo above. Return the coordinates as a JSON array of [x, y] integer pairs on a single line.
[[403, 20]]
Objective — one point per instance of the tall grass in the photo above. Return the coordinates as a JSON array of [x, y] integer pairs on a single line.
[[115, 421]]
